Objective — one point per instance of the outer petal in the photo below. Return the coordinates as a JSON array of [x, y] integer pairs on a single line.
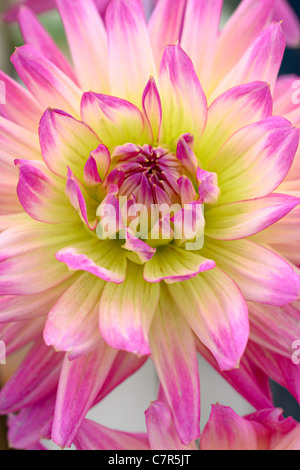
[[255, 160], [234, 109], [93, 436], [78, 306], [36, 36], [161, 430], [261, 61], [130, 56], [49, 85], [216, 310], [183, 101], [87, 41], [174, 355], [126, 312], [290, 22], [199, 35], [114, 120], [243, 219], [262, 275], [226, 430], [79, 384]]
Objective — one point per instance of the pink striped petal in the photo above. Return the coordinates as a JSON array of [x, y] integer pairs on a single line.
[[183, 101], [131, 61], [41, 195], [186, 155], [245, 218], [261, 61], [48, 84], [93, 436], [290, 22], [200, 34], [216, 310], [165, 25], [103, 160], [103, 259], [79, 384], [138, 250], [36, 5], [38, 375], [262, 275], [65, 142], [234, 109], [78, 306], [174, 355], [16, 141], [208, 187], [126, 312], [161, 430], [17, 98], [152, 108], [87, 41], [114, 120], [36, 36], [18, 334]]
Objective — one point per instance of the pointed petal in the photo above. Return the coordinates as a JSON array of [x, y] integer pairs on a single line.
[[152, 108]]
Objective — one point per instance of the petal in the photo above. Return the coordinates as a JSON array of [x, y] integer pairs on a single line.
[[93, 436], [103, 259], [126, 312], [130, 56], [161, 430], [40, 195], [183, 101], [261, 61], [65, 142], [165, 25], [290, 22], [174, 264], [199, 35], [138, 251], [48, 84], [217, 312], [152, 108], [114, 120], [234, 109], [87, 41], [12, 13], [78, 306], [262, 275], [245, 218], [174, 355], [36, 36], [16, 141], [38, 375], [226, 430], [79, 384]]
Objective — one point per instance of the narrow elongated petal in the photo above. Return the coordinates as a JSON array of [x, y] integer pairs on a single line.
[[104, 259], [40, 195], [255, 160], [161, 430], [87, 41], [226, 430], [49, 85], [174, 264], [199, 35], [216, 310], [261, 61], [79, 384], [113, 119], [17, 98], [93, 436], [36, 36], [261, 274], [165, 25], [183, 101], [290, 22], [38, 375], [18, 334], [236, 108], [174, 355], [152, 108], [126, 312], [245, 218], [65, 142], [78, 306], [131, 61]]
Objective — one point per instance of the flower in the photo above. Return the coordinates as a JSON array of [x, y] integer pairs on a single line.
[[162, 126]]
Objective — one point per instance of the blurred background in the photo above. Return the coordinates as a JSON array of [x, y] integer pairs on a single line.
[[124, 408]]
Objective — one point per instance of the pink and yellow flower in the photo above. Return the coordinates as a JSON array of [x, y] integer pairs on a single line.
[[164, 125]]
